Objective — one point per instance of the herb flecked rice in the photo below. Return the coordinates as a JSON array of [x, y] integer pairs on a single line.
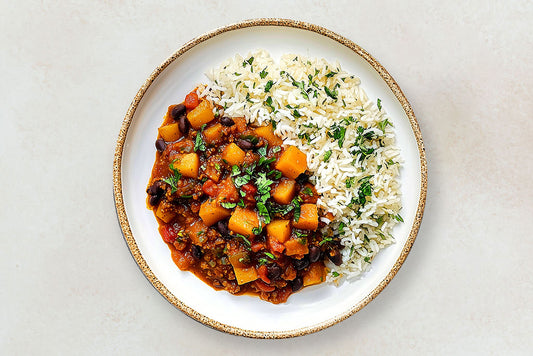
[[349, 141]]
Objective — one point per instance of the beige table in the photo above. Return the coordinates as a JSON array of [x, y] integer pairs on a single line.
[[69, 72]]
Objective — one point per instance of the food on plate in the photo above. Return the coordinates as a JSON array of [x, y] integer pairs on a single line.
[[275, 176]]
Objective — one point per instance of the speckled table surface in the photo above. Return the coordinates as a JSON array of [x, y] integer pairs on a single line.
[[69, 73]]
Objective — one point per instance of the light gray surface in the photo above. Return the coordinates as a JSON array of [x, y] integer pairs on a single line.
[[69, 72]]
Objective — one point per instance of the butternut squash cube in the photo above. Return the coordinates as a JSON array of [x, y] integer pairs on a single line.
[[292, 162], [279, 229], [170, 132], [308, 217], [245, 275], [233, 155], [315, 275], [211, 212], [243, 221], [213, 134], [296, 247], [187, 164], [202, 114], [268, 134], [240, 259], [165, 212], [197, 232], [284, 191]]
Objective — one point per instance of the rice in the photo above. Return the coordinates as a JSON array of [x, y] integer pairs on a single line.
[[349, 141]]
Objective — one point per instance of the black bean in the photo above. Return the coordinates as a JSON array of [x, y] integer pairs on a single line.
[[273, 271], [297, 284], [160, 145], [155, 189], [314, 253], [227, 121], [245, 144], [154, 199], [222, 227], [177, 111], [183, 125], [301, 264], [196, 252], [302, 179], [335, 257]]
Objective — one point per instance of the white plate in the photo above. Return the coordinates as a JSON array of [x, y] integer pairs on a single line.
[[313, 308]]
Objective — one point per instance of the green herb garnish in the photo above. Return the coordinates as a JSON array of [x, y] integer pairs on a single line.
[[327, 155]]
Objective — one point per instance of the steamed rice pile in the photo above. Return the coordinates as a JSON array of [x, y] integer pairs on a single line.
[[348, 139]]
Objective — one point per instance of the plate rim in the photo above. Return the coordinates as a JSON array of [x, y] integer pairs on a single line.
[[124, 222]]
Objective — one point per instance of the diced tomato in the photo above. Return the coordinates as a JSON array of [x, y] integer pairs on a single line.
[[262, 272], [262, 286], [274, 245], [210, 188], [168, 232], [249, 189], [257, 246], [191, 100]]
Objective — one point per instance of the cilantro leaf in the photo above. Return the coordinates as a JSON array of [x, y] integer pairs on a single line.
[[327, 155], [331, 93], [199, 143], [268, 86]]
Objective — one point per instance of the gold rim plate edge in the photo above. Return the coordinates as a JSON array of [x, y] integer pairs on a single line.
[[123, 219]]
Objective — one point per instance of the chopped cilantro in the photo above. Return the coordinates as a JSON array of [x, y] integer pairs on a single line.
[[246, 241], [331, 93], [173, 179], [296, 203], [235, 170], [199, 143], [307, 191], [398, 217], [263, 73], [269, 255], [228, 205], [268, 86], [268, 103], [379, 104], [327, 155]]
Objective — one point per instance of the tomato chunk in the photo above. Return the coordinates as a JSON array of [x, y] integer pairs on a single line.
[[210, 188], [262, 286], [191, 100], [169, 233]]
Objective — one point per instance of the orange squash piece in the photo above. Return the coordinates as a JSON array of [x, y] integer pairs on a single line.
[[245, 275], [233, 155], [213, 134], [165, 212], [296, 247], [308, 217], [170, 132], [197, 232], [202, 114], [243, 221], [292, 162], [187, 164], [279, 229], [268, 134], [211, 212], [315, 275], [284, 191]]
